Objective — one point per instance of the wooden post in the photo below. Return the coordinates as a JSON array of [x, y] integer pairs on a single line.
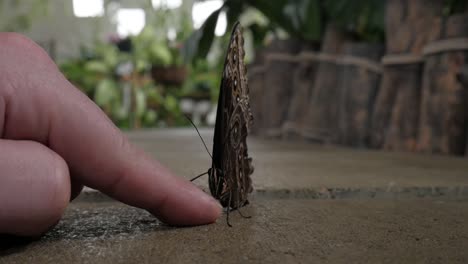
[[256, 74], [359, 79], [409, 26], [321, 117], [278, 77], [462, 78], [405, 80], [302, 86], [442, 128]]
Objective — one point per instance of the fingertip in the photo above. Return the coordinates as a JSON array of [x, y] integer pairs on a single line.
[[190, 207]]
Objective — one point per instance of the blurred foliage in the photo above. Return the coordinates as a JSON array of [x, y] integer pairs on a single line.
[[119, 81], [455, 7], [301, 19], [24, 12], [363, 19], [203, 82], [117, 76]]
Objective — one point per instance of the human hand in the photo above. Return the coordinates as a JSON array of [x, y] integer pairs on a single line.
[[54, 140]]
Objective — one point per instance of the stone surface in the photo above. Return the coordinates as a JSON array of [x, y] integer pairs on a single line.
[[287, 225], [280, 231], [294, 167]]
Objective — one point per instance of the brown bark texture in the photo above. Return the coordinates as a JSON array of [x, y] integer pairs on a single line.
[[302, 85], [256, 89], [442, 127], [405, 81], [278, 90], [357, 89], [321, 116], [410, 25]]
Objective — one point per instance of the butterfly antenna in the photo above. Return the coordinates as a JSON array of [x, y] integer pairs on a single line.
[[199, 176], [203, 141]]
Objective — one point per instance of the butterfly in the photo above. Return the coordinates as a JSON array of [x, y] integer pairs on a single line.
[[229, 176]]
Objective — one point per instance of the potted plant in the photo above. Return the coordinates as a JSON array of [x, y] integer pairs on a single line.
[[167, 66]]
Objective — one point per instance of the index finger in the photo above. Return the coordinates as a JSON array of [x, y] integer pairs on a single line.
[[42, 105]]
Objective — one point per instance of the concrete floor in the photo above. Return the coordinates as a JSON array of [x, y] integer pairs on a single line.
[[280, 231], [312, 204]]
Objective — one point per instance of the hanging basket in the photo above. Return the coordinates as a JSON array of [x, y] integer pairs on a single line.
[[169, 75]]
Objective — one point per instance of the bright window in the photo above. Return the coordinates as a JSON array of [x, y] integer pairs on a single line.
[[130, 21], [88, 8], [202, 10], [171, 4], [221, 25]]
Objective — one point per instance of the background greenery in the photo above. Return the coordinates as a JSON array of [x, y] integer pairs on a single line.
[[117, 76]]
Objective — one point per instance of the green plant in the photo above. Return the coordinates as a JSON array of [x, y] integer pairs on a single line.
[[364, 19], [131, 100], [203, 81], [454, 7], [151, 49], [153, 42], [300, 18], [22, 18]]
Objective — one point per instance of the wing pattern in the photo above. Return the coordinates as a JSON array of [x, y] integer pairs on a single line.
[[229, 176]]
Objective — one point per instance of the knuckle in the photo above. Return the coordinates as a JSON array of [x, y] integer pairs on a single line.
[[19, 45], [16, 40]]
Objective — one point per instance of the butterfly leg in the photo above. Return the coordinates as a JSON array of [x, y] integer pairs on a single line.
[[239, 210], [228, 210], [244, 216]]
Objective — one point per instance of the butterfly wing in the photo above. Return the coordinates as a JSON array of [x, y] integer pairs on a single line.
[[229, 177]]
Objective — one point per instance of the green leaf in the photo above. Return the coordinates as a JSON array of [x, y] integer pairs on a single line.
[[97, 66], [455, 6], [171, 104], [277, 13], [141, 65], [208, 29], [154, 97], [291, 12], [106, 93], [234, 9], [120, 113], [150, 118], [259, 33], [311, 19], [160, 54], [364, 19], [199, 43], [140, 100]]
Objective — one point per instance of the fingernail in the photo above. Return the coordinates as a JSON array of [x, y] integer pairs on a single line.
[[214, 201], [206, 196]]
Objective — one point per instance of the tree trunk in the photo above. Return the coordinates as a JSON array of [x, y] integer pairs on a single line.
[[405, 80], [322, 110], [303, 84], [442, 128], [358, 85], [256, 88], [462, 78], [257, 74], [409, 26], [278, 77]]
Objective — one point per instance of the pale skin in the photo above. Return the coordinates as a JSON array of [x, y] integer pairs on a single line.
[[54, 140]]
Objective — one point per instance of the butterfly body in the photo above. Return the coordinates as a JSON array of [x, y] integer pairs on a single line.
[[229, 176]]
